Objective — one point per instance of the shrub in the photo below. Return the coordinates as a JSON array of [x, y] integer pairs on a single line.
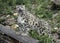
[[41, 38]]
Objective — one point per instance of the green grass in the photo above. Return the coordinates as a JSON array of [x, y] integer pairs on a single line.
[[41, 38]]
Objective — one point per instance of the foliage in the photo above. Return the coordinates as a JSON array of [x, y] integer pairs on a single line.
[[6, 6], [19, 2], [57, 20], [53, 30], [42, 38], [41, 8]]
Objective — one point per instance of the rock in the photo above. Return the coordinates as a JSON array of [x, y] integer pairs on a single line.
[[54, 15], [15, 14], [4, 41], [55, 28], [18, 33], [9, 21], [57, 2], [14, 26], [8, 16]]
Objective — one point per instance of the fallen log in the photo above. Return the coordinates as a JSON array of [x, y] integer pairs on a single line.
[[12, 33]]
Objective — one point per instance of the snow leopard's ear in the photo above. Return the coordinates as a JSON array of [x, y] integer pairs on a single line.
[[57, 2]]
